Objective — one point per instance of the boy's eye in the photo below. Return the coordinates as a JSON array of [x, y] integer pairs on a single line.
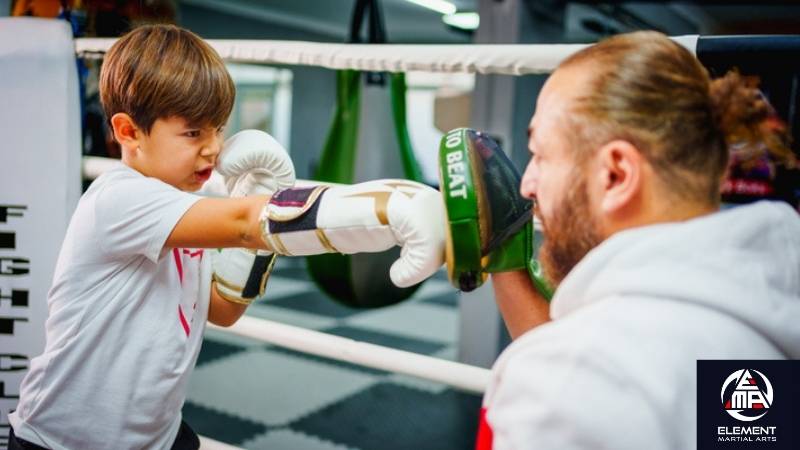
[[221, 130], [192, 133]]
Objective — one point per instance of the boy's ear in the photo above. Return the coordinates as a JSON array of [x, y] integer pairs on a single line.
[[125, 130]]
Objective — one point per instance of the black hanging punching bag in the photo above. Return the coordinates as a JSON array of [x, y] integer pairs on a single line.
[[368, 140]]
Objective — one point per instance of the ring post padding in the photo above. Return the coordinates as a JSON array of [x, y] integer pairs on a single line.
[[40, 160]]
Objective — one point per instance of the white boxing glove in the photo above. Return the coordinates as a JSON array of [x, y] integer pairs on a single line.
[[254, 163], [367, 217], [251, 163]]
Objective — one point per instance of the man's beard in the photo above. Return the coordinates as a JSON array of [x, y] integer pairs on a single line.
[[570, 233]]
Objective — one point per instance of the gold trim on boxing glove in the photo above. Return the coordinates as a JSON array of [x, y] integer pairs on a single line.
[[323, 239], [265, 278], [237, 300], [276, 242], [396, 185], [263, 222], [381, 204], [271, 241], [225, 283]]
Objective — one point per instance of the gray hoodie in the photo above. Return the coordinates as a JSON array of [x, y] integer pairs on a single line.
[[617, 366]]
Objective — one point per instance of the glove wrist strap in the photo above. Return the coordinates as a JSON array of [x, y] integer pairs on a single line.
[[259, 274], [294, 211], [255, 280]]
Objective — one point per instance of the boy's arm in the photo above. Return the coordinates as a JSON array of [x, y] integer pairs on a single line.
[[220, 223]]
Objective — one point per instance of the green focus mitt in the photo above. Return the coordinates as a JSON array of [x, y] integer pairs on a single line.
[[489, 224]]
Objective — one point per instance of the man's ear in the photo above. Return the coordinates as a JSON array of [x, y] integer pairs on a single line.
[[621, 167], [125, 130]]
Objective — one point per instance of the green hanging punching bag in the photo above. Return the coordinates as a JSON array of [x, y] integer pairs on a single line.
[[368, 139]]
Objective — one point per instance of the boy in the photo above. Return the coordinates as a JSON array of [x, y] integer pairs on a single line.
[[133, 286]]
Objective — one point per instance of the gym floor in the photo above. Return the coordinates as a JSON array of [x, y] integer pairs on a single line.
[[258, 396]]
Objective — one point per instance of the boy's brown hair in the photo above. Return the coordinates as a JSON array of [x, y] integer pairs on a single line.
[[161, 71]]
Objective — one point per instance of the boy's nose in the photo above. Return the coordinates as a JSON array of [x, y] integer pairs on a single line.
[[212, 148]]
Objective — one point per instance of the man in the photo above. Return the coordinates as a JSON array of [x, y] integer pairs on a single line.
[[628, 148]]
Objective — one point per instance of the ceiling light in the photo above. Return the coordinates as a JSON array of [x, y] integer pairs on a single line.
[[463, 20]]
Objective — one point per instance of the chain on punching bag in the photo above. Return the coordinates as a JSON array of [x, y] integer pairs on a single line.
[[357, 149]]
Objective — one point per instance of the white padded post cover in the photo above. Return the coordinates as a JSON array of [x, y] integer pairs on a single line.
[[40, 156]]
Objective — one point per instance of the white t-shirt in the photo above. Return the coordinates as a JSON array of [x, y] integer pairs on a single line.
[[617, 366], [125, 324]]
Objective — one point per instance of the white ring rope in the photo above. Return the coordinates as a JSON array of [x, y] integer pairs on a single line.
[[206, 443], [462, 376], [516, 59], [94, 166]]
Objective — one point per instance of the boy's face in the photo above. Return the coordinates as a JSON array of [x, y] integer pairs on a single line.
[[179, 154]]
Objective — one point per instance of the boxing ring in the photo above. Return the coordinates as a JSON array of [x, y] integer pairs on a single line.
[[483, 59], [512, 60], [504, 59]]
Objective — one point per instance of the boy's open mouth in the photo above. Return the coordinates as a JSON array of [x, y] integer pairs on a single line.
[[204, 174]]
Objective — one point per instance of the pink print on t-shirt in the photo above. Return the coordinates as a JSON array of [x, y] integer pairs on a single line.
[[190, 269]]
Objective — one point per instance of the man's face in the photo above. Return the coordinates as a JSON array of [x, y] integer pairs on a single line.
[[557, 183]]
